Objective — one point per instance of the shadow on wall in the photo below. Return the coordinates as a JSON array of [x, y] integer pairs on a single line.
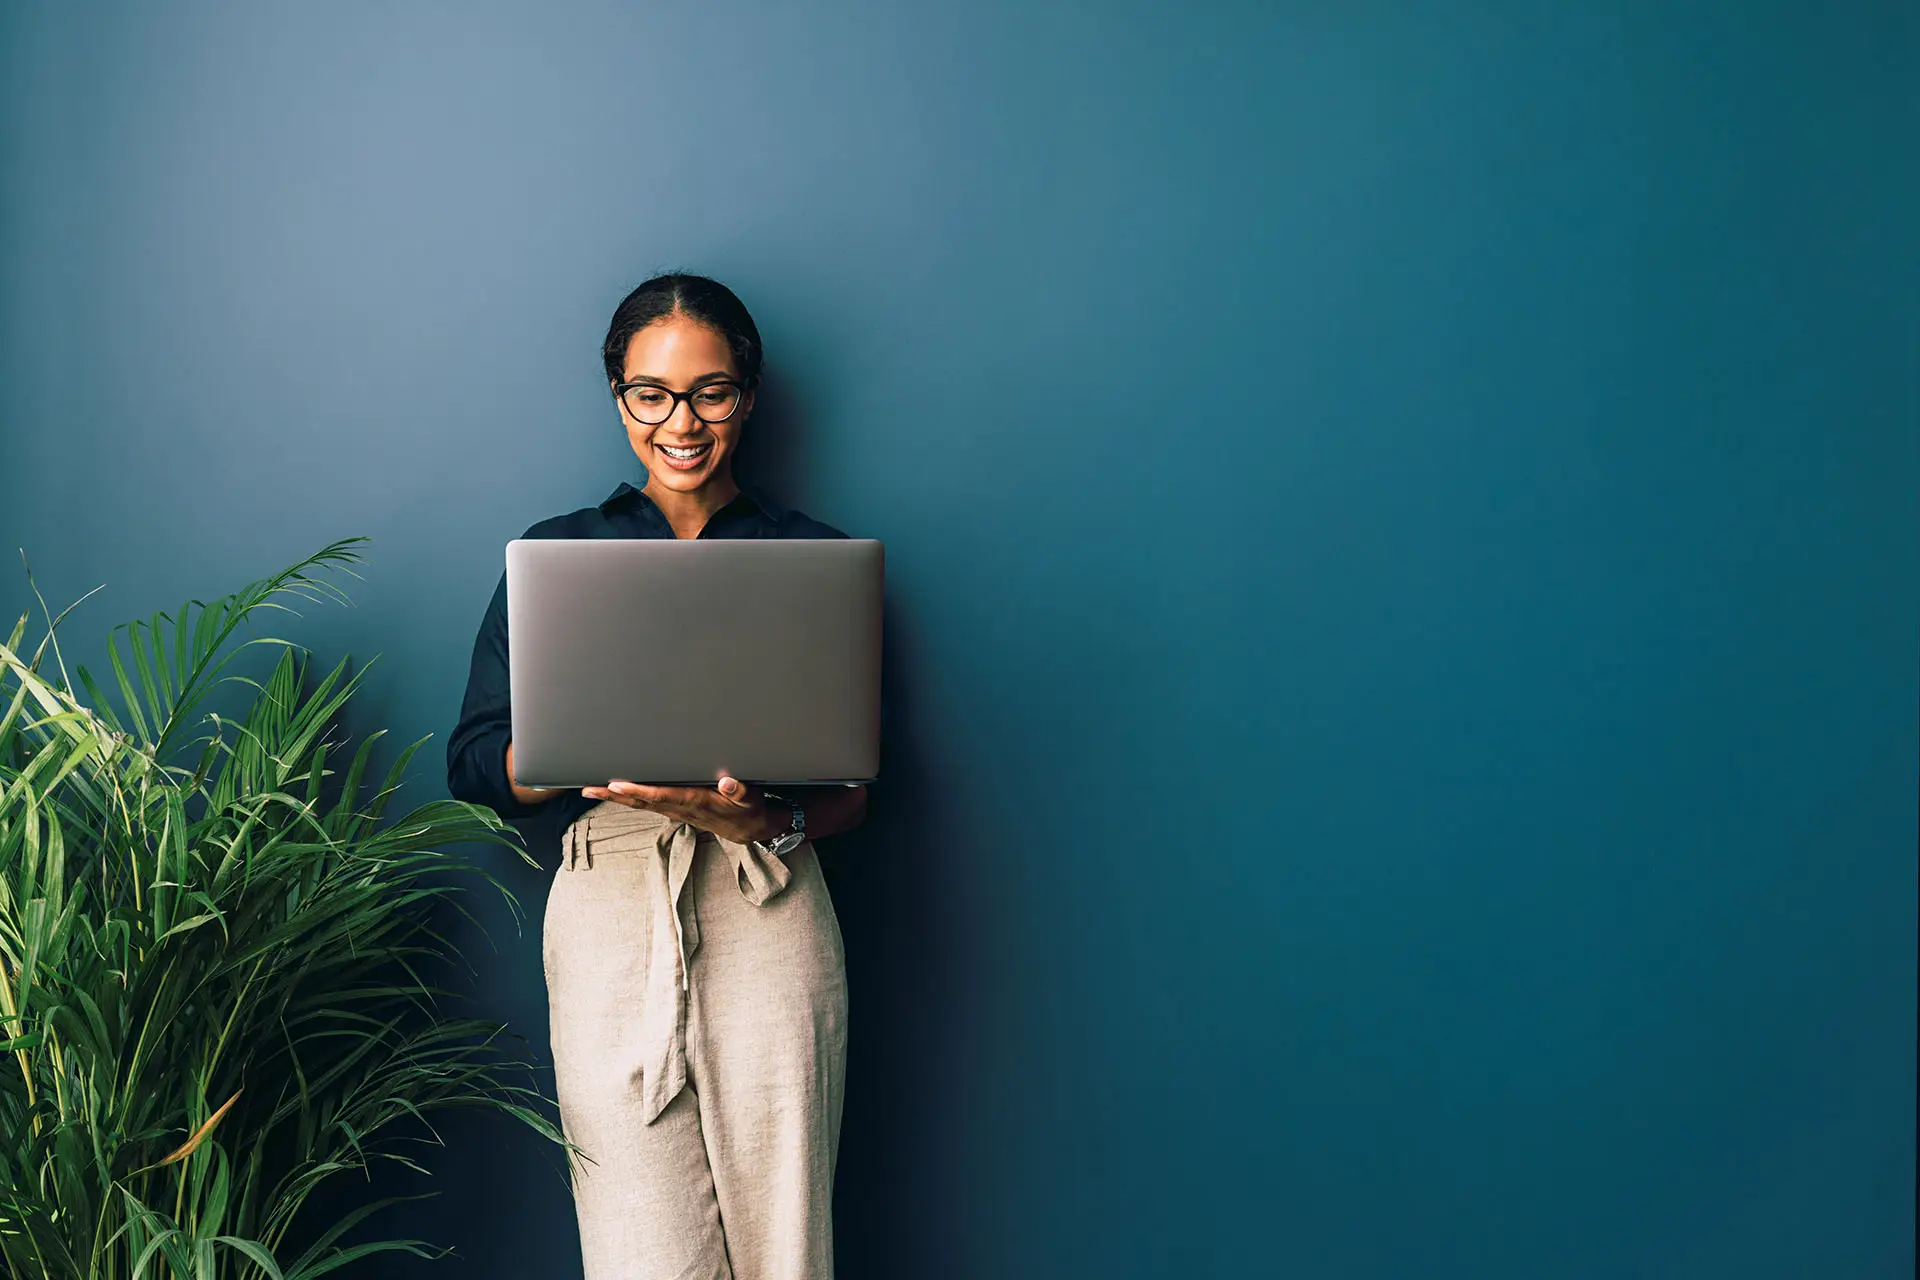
[[900, 947], [773, 447]]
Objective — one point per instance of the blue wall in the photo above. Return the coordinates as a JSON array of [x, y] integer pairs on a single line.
[[1402, 533]]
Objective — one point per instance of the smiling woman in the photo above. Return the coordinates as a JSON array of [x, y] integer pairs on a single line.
[[694, 966]]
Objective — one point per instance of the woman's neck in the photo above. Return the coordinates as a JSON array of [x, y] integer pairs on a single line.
[[688, 513]]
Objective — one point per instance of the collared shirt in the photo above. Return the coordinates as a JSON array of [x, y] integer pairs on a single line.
[[477, 749]]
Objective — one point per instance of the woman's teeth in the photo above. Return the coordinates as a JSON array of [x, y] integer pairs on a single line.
[[683, 454]]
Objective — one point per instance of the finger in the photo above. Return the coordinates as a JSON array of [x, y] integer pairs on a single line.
[[737, 793], [651, 794], [601, 793]]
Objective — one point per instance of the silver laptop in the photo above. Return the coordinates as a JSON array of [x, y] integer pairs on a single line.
[[676, 660]]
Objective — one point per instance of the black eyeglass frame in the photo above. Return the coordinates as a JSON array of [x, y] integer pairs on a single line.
[[621, 389]]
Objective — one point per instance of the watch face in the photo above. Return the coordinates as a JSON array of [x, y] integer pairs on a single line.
[[787, 843]]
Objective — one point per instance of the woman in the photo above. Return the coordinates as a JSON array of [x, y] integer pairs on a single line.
[[694, 964]]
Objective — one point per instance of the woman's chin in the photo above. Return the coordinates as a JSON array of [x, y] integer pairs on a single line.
[[683, 481]]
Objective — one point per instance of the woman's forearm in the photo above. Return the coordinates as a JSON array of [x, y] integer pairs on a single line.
[[532, 795], [830, 810]]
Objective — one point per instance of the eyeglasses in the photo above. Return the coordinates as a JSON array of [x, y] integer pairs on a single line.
[[652, 404]]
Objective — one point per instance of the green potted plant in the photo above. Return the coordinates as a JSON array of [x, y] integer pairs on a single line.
[[212, 946]]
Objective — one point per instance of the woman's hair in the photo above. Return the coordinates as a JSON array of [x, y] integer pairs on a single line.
[[698, 298]]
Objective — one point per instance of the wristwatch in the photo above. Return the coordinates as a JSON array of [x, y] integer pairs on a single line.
[[789, 840]]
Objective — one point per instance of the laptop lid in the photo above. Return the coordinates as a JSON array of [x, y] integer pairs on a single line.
[[676, 660]]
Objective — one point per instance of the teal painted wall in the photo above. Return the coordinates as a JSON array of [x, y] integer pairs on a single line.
[[1402, 532]]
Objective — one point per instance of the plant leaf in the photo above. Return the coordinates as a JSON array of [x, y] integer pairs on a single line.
[[192, 1144]]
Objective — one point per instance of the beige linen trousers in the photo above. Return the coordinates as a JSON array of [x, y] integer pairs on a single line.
[[699, 1005]]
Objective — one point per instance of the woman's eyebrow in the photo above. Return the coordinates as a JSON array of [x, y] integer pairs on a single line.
[[705, 377]]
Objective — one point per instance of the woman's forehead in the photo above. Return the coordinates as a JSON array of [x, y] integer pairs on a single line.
[[677, 345]]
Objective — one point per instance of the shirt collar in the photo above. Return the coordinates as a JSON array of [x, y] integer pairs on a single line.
[[750, 498]]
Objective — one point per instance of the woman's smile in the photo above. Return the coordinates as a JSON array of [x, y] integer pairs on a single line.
[[690, 457]]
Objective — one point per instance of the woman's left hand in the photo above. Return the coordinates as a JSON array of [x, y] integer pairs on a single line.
[[732, 810]]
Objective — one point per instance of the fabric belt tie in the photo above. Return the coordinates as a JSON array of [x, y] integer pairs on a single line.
[[675, 937]]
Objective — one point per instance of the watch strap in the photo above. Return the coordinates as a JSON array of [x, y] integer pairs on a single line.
[[791, 838]]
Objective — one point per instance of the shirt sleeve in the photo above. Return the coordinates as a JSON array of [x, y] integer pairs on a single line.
[[477, 749]]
